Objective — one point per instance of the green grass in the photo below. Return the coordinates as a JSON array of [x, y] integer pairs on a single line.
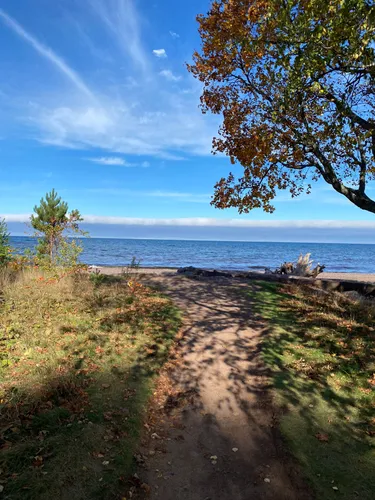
[[321, 351], [78, 360]]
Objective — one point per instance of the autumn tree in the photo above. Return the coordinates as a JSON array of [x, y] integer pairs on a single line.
[[294, 82], [54, 223]]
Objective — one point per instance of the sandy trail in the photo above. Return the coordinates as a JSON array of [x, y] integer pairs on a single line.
[[227, 412]]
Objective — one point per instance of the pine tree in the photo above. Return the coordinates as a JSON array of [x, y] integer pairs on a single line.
[[52, 221], [5, 250]]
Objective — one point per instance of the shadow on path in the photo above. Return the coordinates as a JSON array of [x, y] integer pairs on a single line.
[[226, 412]]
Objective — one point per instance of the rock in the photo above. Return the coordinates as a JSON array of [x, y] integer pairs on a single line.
[[187, 270]]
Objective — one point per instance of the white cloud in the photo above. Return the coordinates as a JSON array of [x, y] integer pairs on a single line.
[[47, 53], [168, 75], [174, 34], [169, 127], [210, 222], [109, 160], [130, 113], [160, 53], [117, 160]]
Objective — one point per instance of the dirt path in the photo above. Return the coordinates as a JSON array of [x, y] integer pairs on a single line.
[[225, 411]]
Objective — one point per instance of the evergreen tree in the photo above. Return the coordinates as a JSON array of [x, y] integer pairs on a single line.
[[5, 250], [53, 223]]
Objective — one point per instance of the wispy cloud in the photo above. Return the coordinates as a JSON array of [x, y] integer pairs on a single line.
[[174, 34], [131, 114], [47, 53], [121, 19], [173, 128], [117, 161], [168, 75], [109, 160], [161, 53]]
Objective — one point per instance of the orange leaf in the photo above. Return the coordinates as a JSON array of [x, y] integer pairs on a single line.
[[322, 437]]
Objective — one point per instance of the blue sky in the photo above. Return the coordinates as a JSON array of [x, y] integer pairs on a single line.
[[97, 103]]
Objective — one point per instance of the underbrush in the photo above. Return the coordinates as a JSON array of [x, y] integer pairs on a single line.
[[77, 362], [321, 351]]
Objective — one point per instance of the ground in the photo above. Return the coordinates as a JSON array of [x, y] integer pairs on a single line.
[[216, 429], [255, 370]]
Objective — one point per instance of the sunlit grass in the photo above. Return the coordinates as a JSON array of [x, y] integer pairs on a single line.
[[321, 349]]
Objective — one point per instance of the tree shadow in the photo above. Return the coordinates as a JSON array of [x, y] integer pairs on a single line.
[[230, 359]]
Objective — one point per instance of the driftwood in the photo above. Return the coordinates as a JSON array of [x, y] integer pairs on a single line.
[[194, 271], [301, 268]]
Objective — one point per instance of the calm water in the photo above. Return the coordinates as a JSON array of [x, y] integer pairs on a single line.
[[218, 254]]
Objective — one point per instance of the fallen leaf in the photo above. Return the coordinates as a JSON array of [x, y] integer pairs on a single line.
[[235, 450], [145, 487], [213, 457], [322, 437], [335, 488], [105, 462], [267, 480]]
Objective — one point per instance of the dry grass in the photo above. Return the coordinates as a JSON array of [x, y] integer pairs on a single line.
[[78, 359]]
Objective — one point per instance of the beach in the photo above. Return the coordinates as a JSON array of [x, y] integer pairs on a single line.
[[160, 271]]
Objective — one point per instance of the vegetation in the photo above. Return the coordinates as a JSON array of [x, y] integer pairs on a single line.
[[54, 224], [321, 349], [295, 83], [5, 249], [78, 360]]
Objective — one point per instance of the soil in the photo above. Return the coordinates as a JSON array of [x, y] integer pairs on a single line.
[[212, 430]]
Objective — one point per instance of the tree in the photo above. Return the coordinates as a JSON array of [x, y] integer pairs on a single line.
[[5, 249], [53, 224], [294, 81]]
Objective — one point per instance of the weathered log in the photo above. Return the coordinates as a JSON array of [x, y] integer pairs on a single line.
[[194, 271], [287, 268], [317, 270]]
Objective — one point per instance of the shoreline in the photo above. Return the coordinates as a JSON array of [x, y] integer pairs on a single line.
[[338, 276]]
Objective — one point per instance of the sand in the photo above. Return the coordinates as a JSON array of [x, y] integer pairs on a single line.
[[361, 277]]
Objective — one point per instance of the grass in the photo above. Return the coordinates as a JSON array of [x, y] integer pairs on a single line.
[[321, 351], [78, 359]]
